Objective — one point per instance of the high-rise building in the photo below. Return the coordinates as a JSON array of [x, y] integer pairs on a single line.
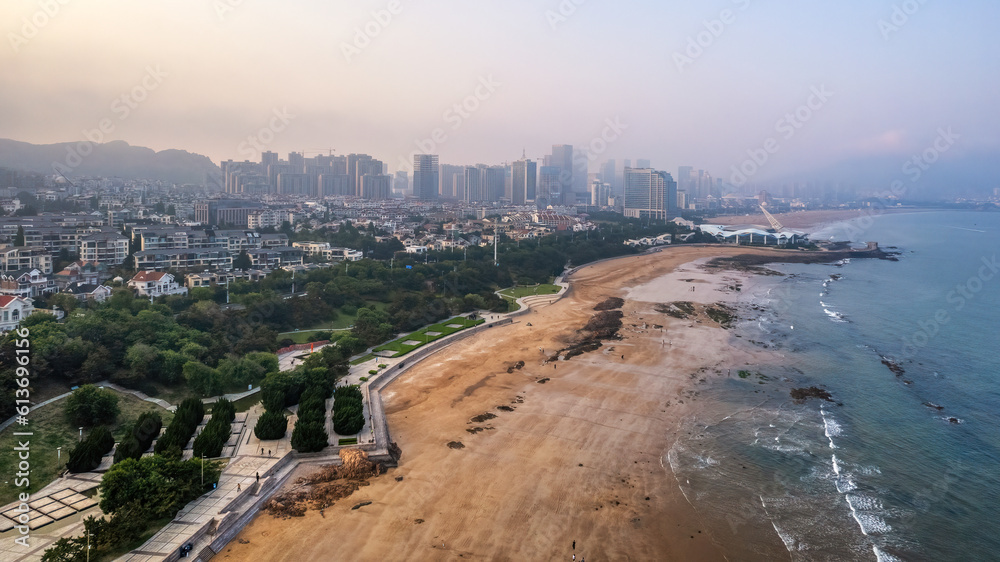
[[600, 193], [451, 176], [524, 177], [294, 184], [562, 158], [549, 189], [225, 212], [484, 184], [425, 176], [650, 194], [376, 186], [401, 183]]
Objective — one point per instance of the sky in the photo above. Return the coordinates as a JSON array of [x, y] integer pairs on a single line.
[[769, 87]]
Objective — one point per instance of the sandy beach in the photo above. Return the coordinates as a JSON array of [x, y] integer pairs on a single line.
[[578, 458]]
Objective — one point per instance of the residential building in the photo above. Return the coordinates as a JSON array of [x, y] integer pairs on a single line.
[[105, 248], [155, 284], [426, 177], [649, 194], [17, 258], [29, 282], [85, 292], [83, 272], [524, 181], [183, 259], [12, 310], [225, 211]]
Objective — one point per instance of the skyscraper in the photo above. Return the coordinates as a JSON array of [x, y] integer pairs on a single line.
[[549, 191], [650, 194], [525, 176], [425, 176], [562, 158], [484, 184]]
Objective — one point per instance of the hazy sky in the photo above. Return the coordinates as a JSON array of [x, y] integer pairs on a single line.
[[217, 71]]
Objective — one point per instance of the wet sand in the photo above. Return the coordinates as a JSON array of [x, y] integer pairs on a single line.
[[580, 456]]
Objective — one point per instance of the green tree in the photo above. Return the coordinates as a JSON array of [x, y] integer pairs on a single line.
[[19, 237], [89, 406], [271, 425], [202, 378], [242, 261]]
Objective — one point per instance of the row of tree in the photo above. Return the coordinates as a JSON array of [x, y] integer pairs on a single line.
[[186, 420], [213, 438]]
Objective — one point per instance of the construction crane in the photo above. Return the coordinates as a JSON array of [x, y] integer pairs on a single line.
[[770, 218], [319, 151]]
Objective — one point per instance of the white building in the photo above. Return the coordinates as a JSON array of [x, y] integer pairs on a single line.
[[155, 284], [13, 310]]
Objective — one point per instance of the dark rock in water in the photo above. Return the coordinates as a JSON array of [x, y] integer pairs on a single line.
[[811, 392], [896, 368], [954, 420], [933, 405]]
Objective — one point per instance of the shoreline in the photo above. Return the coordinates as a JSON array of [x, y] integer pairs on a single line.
[[516, 488]]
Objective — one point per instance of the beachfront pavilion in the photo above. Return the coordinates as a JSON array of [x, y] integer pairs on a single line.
[[753, 234]]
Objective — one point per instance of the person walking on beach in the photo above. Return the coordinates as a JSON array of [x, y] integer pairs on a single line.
[[258, 478]]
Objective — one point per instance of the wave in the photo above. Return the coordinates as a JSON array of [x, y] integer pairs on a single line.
[[883, 556], [862, 508]]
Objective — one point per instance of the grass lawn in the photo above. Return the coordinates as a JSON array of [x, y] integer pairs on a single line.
[[361, 360], [518, 292], [343, 322], [51, 430], [421, 336], [348, 441]]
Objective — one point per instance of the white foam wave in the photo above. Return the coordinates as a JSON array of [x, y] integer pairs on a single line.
[[835, 316], [861, 509]]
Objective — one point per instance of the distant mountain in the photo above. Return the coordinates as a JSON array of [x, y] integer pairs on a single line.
[[112, 159]]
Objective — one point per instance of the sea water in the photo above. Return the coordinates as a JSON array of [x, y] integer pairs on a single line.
[[903, 463]]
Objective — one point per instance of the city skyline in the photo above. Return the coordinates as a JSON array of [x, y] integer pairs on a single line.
[[714, 87]]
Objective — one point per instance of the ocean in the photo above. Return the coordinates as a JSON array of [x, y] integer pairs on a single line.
[[904, 462]]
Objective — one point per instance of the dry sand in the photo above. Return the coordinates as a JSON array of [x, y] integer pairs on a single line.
[[580, 458]]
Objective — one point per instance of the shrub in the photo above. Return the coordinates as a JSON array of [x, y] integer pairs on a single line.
[[144, 431], [87, 454], [348, 420], [348, 411], [309, 436], [372, 372], [213, 438], [186, 419], [271, 425], [90, 405]]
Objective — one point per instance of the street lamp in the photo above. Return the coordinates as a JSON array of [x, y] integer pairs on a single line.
[[81, 433], [203, 470], [59, 454]]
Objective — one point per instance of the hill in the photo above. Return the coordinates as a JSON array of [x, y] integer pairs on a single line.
[[112, 159]]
